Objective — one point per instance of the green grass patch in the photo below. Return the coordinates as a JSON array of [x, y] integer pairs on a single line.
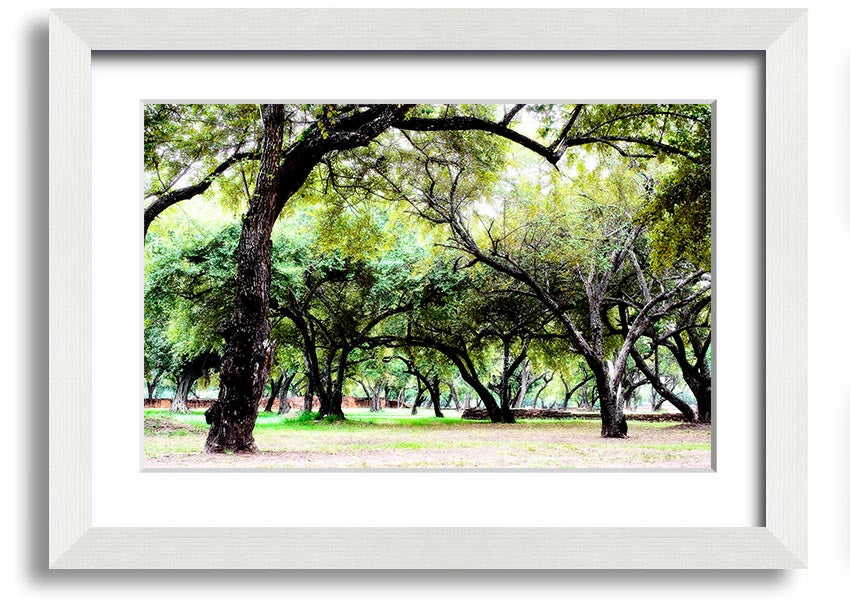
[[160, 446], [394, 437]]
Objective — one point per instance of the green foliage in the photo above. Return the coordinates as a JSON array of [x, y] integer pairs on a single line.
[[680, 217], [370, 232], [184, 142]]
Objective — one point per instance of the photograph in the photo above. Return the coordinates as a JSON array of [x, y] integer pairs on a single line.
[[488, 285], [438, 282]]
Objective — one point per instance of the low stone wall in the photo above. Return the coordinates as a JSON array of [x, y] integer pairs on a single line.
[[480, 414], [166, 403], [295, 402]]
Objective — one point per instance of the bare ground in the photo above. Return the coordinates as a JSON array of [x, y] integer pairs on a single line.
[[530, 444]]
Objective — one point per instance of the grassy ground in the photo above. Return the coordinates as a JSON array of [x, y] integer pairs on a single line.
[[392, 438]]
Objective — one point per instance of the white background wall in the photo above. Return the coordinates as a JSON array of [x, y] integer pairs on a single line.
[[24, 348]]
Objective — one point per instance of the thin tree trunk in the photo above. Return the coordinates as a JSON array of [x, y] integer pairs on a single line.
[[152, 385], [283, 385], [434, 389], [375, 396], [308, 394], [568, 392], [522, 388], [420, 396], [547, 379], [453, 396], [180, 402], [275, 388], [658, 386]]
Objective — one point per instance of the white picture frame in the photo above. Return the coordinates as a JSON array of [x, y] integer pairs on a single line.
[[76, 33]]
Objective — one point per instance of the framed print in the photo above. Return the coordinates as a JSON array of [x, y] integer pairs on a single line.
[[88, 462]]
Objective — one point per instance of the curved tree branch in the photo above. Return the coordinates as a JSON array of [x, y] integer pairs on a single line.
[[168, 199]]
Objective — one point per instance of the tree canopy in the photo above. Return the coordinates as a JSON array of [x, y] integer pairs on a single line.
[[488, 248]]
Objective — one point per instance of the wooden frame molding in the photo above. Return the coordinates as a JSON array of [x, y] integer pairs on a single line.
[[76, 33]]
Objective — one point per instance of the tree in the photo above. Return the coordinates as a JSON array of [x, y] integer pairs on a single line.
[[247, 354], [186, 303], [158, 361], [380, 377], [511, 320], [297, 139], [190, 371], [430, 370], [158, 350], [686, 335], [285, 368], [602, 216], [189, 147], [339, 298], [446, 322]]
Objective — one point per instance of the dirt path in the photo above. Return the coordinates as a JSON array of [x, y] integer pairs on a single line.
[[551, 445]]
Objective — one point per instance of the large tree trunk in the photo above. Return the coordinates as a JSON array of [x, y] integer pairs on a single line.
[[697, 375], [701, 388], [247, 354], [507, 415], [331, 397], [334, 410], [308, 394], [324, 387], [505, 397], [493, 411], [613, 418], [180, 402]]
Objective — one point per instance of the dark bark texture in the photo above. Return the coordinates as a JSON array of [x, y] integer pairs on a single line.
[[247, 355]]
